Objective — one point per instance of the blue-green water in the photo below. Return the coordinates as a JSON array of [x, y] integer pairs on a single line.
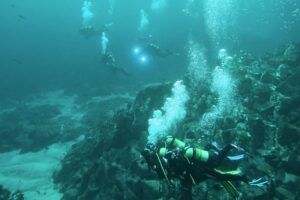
[[70, 71], [41, 48]]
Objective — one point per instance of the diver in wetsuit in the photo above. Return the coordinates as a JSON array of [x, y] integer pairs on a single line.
[[147, 46], [173, 159], [156, 51], [90, 31], [109, 60]]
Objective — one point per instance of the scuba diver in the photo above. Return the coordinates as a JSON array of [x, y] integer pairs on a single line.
[[173, 159], [90, 31], [149, 48], [155, 51], [109, 60]]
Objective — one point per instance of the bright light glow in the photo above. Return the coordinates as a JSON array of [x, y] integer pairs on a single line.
[[143, 59], [137, 50], [139, 55]]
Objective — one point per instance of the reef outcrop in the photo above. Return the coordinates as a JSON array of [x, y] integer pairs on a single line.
[[265, 121]]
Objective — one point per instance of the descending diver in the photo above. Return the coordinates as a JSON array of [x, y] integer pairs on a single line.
[[21, 17], [147, 47], [155, 51], [173, 159], [90, 31], [109, 60]]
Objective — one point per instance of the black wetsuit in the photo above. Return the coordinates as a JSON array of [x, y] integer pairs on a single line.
[[109, 60], [176, 165], [156, 51]]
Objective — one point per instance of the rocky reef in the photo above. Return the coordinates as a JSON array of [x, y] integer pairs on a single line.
[[39, 121], [264, 120], [5, 194]]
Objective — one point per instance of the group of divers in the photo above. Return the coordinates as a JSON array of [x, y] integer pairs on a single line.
[[172, 159], [146, 46]]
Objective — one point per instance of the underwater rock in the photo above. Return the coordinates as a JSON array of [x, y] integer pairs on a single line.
[[292, 53], [285, 88], [146, 189], [262, 93], [267, 112], [4, 193], [71, 193], [289, 135], [98, 166], [292, 165], [245, 86], [283, 193], [147, 100], [265, 122], [103, 108], [283, 72], [292, 182], [288, 105], [123, 121], [268, 78], [131, 121], [287, 54], [258, 132], [30, 128]]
